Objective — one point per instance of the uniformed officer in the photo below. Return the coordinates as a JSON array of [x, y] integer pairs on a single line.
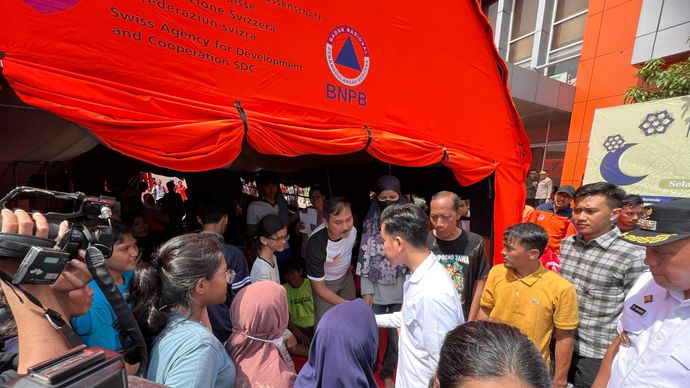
[[653, 345]]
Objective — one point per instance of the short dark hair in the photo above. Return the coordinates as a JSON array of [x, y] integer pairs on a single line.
[[407, 221], [334, 206], [529, 235], [614, 194], [454, 197], [632, 200], [533, 169], [485, 350], [266, 177], [211, 212], [268, 226]]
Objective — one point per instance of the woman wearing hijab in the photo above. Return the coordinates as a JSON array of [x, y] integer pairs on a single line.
[[259, 315], [382, 282], [343, 352]]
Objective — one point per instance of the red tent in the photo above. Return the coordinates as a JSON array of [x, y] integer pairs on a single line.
[[181, 83]]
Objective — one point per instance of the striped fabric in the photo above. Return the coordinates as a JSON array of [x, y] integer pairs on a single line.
[[602, 270]]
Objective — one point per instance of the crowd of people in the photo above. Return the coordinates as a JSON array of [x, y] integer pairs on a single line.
[[593, 290]]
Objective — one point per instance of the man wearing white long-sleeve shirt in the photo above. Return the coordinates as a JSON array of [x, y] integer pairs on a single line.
[[431, 307]]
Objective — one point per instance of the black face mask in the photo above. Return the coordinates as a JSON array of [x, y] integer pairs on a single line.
[[385, 204]]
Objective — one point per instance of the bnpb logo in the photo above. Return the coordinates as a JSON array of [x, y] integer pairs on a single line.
[[348, 59]]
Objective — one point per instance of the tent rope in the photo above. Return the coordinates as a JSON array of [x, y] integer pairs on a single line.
[[370, 137]]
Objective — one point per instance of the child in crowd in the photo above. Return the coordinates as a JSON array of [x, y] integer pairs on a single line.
[[271, 237], [98, 326], [300, 303], [170, 296]]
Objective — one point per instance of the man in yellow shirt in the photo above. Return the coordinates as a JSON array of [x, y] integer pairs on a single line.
[[524, 294]]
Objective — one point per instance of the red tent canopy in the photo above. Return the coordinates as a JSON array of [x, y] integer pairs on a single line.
[[181, 83]]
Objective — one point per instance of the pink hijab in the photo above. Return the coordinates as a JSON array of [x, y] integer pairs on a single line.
[[259, 316]]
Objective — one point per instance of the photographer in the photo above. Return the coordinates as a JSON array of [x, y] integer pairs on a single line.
[[38, 339]]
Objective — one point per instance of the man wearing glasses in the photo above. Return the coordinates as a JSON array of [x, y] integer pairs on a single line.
[[329, 257]]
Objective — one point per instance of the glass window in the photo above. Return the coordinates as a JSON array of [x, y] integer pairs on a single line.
[[535, 125], [521, 49], [560, 124], [524, 18], [569, 66], [553, 162], [566, 8], [537, 157], [490, 9], [568, 32]]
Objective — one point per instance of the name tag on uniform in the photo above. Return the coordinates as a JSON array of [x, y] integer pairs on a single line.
[[638, 310]]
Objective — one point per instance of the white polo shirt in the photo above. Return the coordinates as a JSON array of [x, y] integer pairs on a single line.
[[657, 322], [260, 209], [431, 308]]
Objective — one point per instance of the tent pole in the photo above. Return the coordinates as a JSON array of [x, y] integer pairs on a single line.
[[45, 175]]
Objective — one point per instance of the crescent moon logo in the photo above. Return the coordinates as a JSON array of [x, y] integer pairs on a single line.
[[611, 171]]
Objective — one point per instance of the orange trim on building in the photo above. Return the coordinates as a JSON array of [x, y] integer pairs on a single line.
[[603, 77]]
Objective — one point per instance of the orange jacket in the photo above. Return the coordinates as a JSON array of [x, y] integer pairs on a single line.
[[557, 227]]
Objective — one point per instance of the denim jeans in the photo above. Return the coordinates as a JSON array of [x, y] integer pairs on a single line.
[[390, 357]]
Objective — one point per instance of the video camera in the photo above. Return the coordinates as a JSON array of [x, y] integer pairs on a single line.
[[42, 262], [44, 259]]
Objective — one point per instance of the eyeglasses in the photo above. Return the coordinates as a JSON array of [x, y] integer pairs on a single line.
[[229, 275], [280, 238]]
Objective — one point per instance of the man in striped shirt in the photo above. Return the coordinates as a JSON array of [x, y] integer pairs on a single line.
[[603, 268]]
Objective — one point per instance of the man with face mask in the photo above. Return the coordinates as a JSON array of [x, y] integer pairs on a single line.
[[460, 251], [382, 282]]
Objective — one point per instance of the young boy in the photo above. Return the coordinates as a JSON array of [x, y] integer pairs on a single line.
[[300, 305], [97, 327], [524, 294]]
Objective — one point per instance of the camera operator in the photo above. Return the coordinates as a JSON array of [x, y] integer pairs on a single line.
[[38, 339]]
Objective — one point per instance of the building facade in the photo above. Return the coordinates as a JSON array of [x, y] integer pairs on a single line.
[[568, 58]]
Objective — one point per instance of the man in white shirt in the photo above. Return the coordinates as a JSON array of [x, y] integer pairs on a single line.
[[431, 307], [652, 347], [544, 188]]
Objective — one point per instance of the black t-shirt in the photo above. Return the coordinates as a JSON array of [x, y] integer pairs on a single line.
[[465, 261]]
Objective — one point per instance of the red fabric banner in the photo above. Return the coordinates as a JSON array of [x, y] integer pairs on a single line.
[[180, 83]]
